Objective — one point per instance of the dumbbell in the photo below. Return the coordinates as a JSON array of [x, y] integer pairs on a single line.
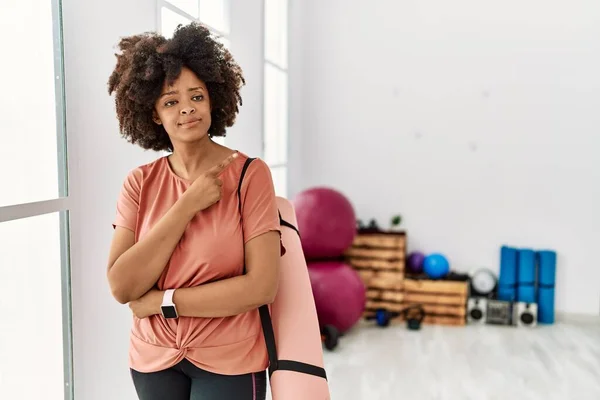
[[383, 317], [413, 322]]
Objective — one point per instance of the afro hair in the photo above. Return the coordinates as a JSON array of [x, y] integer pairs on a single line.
[[149, 60]]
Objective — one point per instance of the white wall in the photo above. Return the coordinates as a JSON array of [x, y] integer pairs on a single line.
[[100, 160], [478, 121]]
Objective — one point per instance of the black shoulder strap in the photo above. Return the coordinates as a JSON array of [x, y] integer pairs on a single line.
[[283, 222], [239, 190], [265, 315]]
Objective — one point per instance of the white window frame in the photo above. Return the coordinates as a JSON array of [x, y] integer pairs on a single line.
[[62, 205], [177, 10], [285, 70]]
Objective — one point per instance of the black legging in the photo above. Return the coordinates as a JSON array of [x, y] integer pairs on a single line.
[[185, 381]]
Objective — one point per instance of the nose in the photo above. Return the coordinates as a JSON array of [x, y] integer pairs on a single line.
[[187, 110]]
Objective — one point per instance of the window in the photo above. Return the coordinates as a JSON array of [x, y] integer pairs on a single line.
[[275, 133], [31, 259], [34, 206], [214, 14]]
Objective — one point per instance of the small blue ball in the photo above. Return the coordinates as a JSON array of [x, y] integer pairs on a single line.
[[436, 266]]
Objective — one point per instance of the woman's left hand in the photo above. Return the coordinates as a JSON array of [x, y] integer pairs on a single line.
[[147, 305]]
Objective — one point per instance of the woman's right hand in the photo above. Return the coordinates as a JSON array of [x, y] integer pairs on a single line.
[[206, 190]]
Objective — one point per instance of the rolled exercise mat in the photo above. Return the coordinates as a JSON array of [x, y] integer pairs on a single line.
[[526, 276], [298, 373], [546, 284], [507, 279]]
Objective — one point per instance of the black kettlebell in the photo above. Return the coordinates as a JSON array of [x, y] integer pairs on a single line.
[[414, 316], [330, 336]]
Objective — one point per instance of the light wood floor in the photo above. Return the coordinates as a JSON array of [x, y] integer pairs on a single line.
[[561, 361]]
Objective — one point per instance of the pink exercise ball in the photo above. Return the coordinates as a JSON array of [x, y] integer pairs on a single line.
[[339, 292], [326, 221]]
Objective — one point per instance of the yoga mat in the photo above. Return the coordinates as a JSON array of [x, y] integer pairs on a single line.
[[546, 284]]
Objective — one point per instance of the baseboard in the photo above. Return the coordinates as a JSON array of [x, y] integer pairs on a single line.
[[576, 317]]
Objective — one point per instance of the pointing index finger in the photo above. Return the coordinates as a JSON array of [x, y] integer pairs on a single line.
[[223, 164]]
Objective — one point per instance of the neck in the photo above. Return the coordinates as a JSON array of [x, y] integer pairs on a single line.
[[190, 159]]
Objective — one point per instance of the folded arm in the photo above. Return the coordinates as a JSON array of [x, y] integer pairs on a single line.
[[134, 268], [230, 296], [241, 293]]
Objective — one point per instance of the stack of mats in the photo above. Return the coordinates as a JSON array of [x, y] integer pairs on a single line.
[[528, 276]]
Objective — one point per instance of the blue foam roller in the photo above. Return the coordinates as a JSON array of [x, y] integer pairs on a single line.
[[526, 271], [507, 292], [545, 305], [547, 268], [508, 266], [526, 293]]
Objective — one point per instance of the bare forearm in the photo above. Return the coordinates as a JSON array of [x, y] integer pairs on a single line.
[[138, 268], [224, 298]]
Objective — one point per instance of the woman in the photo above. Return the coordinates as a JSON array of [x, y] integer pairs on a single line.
[[180, 242]]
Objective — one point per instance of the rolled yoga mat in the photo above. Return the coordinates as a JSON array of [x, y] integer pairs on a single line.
[[507, 280], [526, 276], [290, 325], [296, 375], [546, 283]]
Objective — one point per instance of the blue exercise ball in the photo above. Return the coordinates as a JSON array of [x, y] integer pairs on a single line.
[[436, 266]]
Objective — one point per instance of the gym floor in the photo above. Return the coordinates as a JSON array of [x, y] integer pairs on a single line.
[[483, 362]]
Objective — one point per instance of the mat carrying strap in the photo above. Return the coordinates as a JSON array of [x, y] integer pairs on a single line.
[[275, 363]]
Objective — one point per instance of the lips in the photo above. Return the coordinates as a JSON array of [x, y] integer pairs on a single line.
[[189, 122]]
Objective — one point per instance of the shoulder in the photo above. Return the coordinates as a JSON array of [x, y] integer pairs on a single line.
[[254, 173], [136, 176], [256, 168]]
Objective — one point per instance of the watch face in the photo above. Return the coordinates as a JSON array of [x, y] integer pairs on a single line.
[[484, 282], [169, 311]]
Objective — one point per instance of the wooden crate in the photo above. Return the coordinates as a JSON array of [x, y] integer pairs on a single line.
[[379, 258], [444, 301]]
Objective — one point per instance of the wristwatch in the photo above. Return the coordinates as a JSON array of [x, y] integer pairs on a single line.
[[168, 307]]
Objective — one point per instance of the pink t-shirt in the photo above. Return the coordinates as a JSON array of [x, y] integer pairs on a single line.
[[212, 248]]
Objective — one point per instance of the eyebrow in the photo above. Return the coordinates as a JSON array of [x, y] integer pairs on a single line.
[[175, 92]]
